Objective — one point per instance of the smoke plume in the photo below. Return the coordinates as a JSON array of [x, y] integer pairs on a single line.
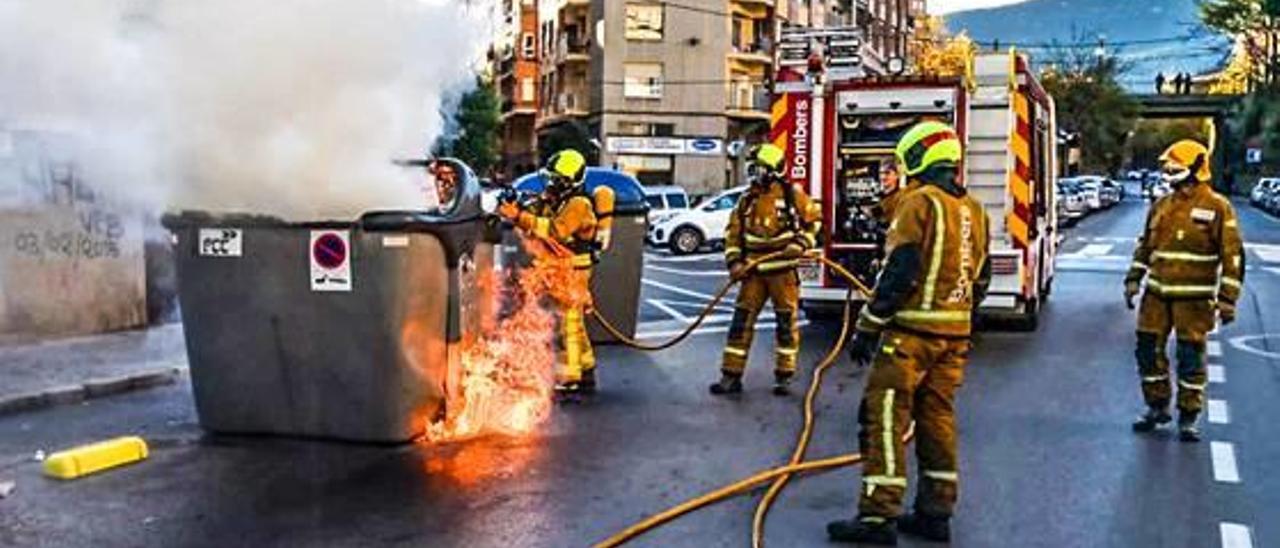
[[288, 107]]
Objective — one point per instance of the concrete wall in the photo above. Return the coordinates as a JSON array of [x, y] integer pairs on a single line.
[[69, 270]]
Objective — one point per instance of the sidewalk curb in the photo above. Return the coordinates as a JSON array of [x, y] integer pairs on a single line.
[[91, 389]]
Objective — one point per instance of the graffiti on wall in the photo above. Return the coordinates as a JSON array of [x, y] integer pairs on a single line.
[[92, 230]]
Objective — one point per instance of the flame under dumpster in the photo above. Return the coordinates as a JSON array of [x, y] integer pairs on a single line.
[[341, 330]]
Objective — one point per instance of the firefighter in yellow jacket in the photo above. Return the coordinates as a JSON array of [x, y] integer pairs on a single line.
[[565, 215], [772, 216], [915, 332], [1192, 257]]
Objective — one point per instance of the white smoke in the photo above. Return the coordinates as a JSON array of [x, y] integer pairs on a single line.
[[288, 107]]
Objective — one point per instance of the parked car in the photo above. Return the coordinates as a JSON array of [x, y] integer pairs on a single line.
[[665, 202], [1109, 192], [689, 230], [1071, 206], [1271, 199], [1265, 188], [1091, 191]]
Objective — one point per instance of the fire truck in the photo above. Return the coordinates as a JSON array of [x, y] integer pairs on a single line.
[[839, 128]]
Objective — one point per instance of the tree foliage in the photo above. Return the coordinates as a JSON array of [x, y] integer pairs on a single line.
[[1092, 103], [1256, 24], [942, 54], [1151, 138], [472, 128]]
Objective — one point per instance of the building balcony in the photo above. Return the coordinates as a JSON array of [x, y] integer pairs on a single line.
[[757, 53], [754, 3], [569, 50], [748, 102], [566, 105]]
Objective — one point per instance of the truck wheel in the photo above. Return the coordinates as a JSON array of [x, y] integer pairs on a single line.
[[686, 240], [1029, 320]]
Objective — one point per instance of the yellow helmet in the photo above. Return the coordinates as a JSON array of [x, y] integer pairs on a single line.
[[565, 170], [926, 145], [770, 157], [1186, 158]]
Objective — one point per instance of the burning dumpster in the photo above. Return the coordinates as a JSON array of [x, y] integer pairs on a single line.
[[615, 282], [344, 329]]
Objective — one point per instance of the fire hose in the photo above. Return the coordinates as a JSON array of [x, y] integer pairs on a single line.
[[780, 476]]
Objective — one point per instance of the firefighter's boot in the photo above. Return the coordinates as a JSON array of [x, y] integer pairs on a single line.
[[782, 384], [1151, 420], [587, 386], [568, 392], [864, 530], [928, 527], [1187, 429], [729, 384]]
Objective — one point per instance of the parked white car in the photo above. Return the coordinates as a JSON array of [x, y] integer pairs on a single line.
[[665, 202], [1262, 190], [1091, 191], [688, 231]]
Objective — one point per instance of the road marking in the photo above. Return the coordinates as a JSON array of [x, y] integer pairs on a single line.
[[1217, 374], [1242, 343], [670, 311], [1096, 250], [1235, 535], [1219, 413], [699, 305], [1273, 270], [684, 259], [1267, 252], [701, 273], [1215, 349], [679, 290], [1224, 462], [709, 330], [1081, 256]]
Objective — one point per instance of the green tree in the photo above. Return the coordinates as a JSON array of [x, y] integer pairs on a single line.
[[1092, 103], [1151, 137], [1257, 24], [472, 128]]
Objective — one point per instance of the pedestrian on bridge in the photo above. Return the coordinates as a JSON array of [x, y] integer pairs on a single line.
[[1192, 257], [1160, 83], [915, 332]]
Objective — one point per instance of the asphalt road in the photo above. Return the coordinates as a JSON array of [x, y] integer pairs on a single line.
[[1047, 455]]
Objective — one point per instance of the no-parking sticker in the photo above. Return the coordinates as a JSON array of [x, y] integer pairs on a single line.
[[330, 260]]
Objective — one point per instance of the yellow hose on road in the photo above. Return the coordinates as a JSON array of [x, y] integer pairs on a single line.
[[781, 475]]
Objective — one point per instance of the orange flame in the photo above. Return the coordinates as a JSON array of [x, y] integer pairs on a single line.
[[508, 371]]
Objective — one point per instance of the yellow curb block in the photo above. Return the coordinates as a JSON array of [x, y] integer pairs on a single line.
[[88, 459]]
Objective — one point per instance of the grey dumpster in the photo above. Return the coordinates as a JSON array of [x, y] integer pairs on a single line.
[[335, 330], [615, 283]]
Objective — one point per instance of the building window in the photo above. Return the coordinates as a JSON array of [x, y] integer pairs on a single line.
[[527, 90], [644, 22], [642, 80], [646, 129], [527, 43]]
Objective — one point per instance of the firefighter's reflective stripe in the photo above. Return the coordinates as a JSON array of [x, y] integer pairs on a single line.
[[582, 261], [1184, 256], [886, 435], [810, 240], [1155, 378], [1191, 386], [730, 349], [774, 266], [877, 320], [1232, 282], [1139, 266], [542, 227], [756, 242], [889, 481], [933, 316], [939, 244], [787, 351], [1181, 290], [942, 475]]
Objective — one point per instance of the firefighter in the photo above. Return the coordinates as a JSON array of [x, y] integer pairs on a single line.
[[1192, 258], [564, 215], [915, 333], [772, 216]]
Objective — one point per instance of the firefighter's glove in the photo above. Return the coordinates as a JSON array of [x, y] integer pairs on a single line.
[[738, 270], [509, 210], [863, 347], [794, 250], [1130, 292], [1226, 312]]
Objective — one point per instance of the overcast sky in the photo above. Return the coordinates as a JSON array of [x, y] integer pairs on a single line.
[[948, 6]]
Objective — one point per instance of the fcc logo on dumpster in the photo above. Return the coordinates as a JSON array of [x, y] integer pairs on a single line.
[[221, 242], [330, 260]]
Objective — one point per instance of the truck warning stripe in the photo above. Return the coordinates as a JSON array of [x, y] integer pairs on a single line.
[[1020, 215]]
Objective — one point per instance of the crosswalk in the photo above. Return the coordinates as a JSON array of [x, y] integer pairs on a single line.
[[1114, 254]]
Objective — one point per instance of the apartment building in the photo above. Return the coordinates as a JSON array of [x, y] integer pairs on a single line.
[[672, 91], [516, 58]]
